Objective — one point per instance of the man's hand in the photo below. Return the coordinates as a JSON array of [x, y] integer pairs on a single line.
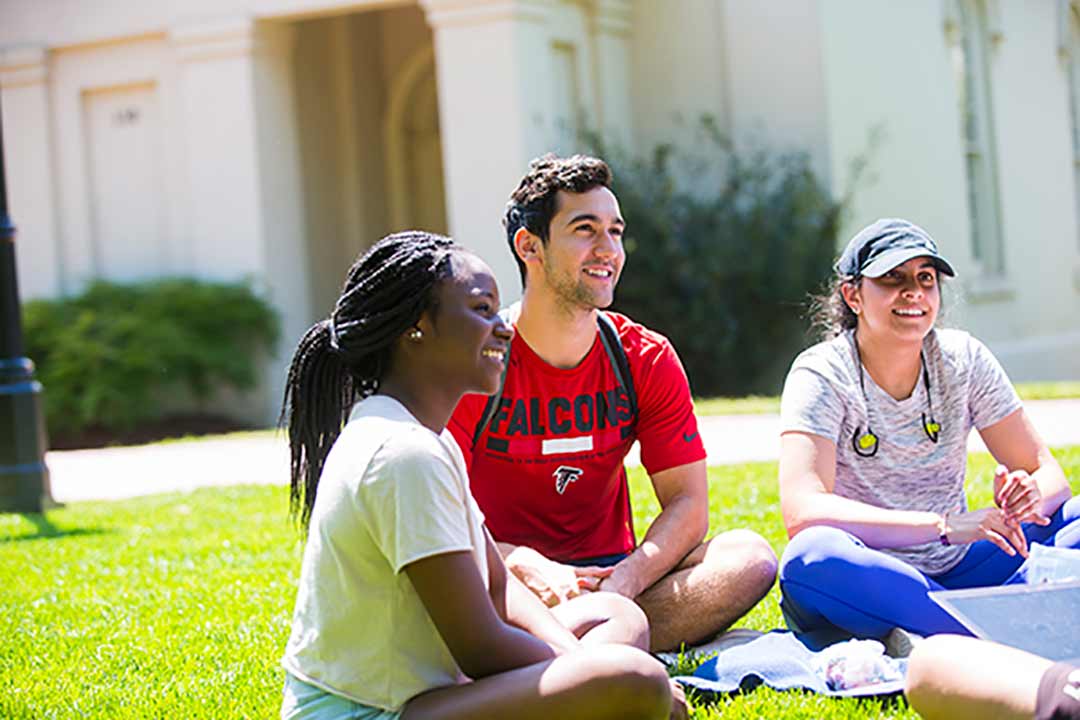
[[1018, 495], [621, 580], [550, 581]]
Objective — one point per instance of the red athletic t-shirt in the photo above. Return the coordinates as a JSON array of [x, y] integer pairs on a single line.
[[548, 471]]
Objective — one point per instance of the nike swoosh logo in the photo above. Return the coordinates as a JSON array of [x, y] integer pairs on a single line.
[[689, 438]]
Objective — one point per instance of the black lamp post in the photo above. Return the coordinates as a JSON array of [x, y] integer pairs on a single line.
[[24, 478]]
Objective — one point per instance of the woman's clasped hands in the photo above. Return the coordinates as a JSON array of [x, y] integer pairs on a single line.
[[1018, 496], [1017, 499]]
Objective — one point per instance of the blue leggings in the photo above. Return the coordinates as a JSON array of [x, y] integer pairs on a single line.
[[834, 586]]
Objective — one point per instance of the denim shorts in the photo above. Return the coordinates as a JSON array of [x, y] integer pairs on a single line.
[[303, 701]]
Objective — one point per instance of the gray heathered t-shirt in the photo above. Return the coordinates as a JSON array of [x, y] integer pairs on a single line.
[[909, 472]]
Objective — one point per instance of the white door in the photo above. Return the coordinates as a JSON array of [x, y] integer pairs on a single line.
[[123, 141]]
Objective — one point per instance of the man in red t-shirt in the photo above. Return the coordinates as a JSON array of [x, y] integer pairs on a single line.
[[547, 466]]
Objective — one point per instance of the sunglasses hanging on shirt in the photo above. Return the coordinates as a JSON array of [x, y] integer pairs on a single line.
[[866, 443]]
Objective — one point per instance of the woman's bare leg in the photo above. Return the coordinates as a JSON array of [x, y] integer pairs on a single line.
[[959, 677], [602, 618], [610, 682]]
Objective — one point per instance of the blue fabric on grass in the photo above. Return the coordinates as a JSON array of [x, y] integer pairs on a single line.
[[779, 660]]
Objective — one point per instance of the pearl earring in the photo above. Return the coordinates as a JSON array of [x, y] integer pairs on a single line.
[[415, 335]]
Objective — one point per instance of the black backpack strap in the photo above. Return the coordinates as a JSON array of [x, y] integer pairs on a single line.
[[616, 353], [492, 404]]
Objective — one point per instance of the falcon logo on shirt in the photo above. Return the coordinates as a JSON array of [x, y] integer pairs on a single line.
[[564, 475]]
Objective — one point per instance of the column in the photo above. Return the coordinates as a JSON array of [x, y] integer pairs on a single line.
[[610, 27], [24, 78], [493, 64], [243, 195], [217, 127]]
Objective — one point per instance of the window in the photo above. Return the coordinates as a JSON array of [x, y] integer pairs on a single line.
[[971, 66], [567, 112]]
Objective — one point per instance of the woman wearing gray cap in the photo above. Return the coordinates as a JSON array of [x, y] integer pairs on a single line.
[[875, 424]]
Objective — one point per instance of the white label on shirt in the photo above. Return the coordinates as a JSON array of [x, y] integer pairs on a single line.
[[558, 446]]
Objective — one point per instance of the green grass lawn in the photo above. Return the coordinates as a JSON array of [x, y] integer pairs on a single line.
[[749, 405], [179, 605], [754, 404], [1048, 390]]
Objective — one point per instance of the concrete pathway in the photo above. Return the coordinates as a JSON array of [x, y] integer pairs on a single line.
[[113, 473]]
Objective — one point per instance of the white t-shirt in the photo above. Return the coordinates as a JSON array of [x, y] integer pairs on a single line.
[[968, 388], [391, 492]]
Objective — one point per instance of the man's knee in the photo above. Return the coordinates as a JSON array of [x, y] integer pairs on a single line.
[[749, 552]]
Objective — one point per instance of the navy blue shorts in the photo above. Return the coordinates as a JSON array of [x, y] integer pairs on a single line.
[[602, 561]]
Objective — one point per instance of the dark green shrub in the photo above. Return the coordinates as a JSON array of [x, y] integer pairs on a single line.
[[722, 252], [107, 357]]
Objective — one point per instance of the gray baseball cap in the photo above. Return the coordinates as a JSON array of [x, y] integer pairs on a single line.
[[889, 242]]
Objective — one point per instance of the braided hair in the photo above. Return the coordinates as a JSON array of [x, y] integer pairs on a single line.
[[532, 204], [342, 359]]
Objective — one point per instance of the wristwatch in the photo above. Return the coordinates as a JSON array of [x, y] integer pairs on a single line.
[[943, 528]]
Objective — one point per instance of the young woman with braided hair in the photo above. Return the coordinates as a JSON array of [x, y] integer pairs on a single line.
[[404, 607]]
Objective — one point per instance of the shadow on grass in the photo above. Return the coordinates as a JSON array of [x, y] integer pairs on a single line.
[[872, 705], [44, 529]]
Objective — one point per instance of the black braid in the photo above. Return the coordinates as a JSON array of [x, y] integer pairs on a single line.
[[342, 359]]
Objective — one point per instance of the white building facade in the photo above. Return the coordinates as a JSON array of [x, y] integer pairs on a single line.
[[275, 139]]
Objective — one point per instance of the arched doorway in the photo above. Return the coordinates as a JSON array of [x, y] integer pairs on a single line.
[[414, 165]]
